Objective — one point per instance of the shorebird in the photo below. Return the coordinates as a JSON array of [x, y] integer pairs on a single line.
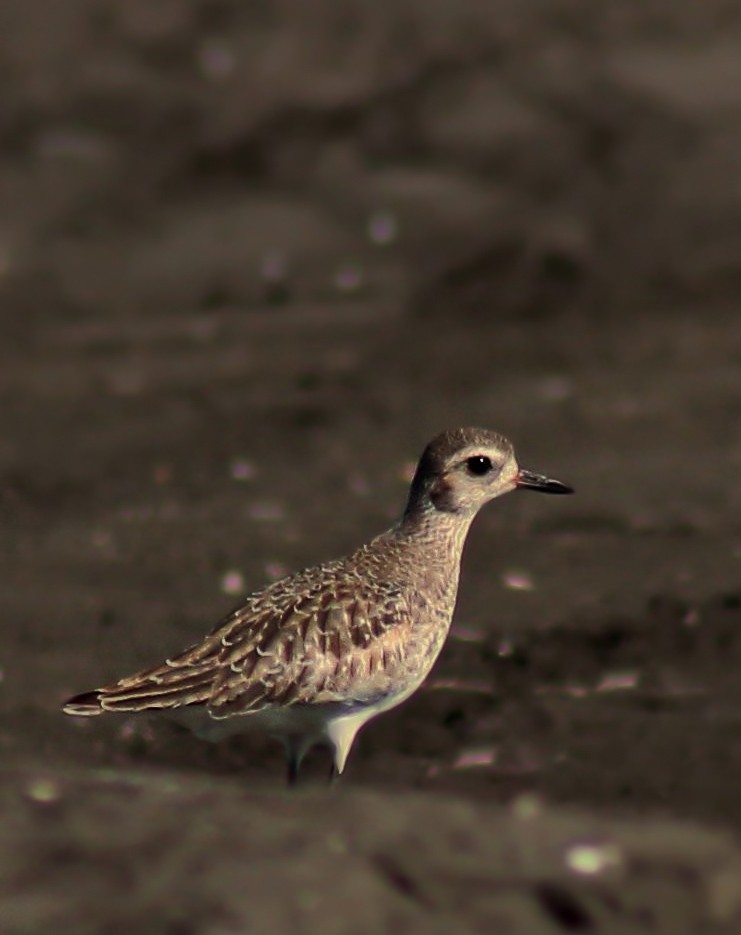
[[314, 656]]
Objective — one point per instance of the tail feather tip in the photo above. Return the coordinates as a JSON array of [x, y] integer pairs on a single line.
[[86, 704]]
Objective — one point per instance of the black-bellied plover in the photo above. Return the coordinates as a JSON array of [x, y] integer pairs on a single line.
[[312, 657]]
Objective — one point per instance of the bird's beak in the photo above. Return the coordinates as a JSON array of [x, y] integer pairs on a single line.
[[526, 480]]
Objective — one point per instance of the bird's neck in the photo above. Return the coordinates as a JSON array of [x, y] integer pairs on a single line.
[[437, 537]]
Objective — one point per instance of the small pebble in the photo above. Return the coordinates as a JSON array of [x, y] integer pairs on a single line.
[[43, 790], [383, 228], [232, 582], [349, 278], [527, 806], [505, 649], [517, 580], [242, 470], [591, 859], [484, 756], [617, 681]]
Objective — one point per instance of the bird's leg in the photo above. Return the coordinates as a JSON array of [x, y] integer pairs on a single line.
[[292, 776], [294, 754], [333, 774]]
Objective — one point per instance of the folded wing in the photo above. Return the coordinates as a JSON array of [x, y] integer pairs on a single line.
[[295, 642]]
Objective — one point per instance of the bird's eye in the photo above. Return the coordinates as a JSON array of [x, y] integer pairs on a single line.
[[479, 465]]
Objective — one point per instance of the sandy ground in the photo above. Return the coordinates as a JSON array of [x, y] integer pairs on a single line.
[[251, 258]]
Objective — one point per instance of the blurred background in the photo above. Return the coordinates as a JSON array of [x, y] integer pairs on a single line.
[[254, 255]]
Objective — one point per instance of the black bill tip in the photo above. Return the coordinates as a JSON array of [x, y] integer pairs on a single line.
[[526, 480]]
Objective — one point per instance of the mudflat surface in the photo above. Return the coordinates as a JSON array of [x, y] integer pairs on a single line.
[[251, 258]]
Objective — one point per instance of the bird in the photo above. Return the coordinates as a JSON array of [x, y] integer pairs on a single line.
[[312, 657]]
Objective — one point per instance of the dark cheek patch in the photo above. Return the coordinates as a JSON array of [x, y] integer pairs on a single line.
[[441, 494]]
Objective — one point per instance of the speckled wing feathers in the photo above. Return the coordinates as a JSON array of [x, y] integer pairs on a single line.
[[332, 645], [304, 639]]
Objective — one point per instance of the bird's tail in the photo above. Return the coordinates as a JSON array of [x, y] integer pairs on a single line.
[[86, 704], [167, 686]]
